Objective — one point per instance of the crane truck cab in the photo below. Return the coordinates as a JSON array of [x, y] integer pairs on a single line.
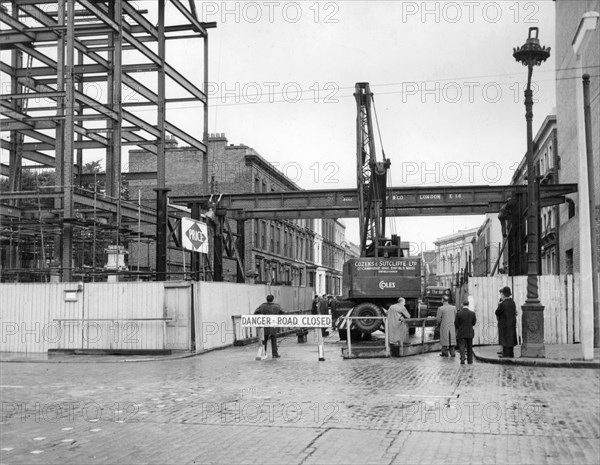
[[433, 299], [370, 285]]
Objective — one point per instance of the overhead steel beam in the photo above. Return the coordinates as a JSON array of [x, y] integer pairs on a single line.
[[128, 210], [343, 203], [37, 157], [129, 176]]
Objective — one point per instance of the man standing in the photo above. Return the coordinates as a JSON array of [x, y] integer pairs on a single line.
[[465, 320], [397, 329], [270, 308], [315, 305], [445, 318], [323, 309], [506, 313]]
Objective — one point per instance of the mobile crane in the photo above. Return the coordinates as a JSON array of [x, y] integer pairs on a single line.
[[383, 273]]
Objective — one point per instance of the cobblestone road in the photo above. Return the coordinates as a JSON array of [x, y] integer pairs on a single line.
[[226, 408]]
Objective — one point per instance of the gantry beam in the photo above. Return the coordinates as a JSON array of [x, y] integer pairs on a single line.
[[401, 201]]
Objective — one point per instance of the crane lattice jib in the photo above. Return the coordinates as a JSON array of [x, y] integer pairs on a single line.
[[371, 175]]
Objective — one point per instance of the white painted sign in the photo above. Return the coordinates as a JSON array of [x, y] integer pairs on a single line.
[[288, 321], [194, 235]]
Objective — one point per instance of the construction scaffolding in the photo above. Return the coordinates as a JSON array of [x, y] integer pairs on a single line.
[[51, 52]]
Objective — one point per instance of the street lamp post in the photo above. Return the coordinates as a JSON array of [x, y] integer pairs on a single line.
[[532, 54]]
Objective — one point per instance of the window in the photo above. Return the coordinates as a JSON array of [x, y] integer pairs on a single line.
[[256, 233], [259, 273], [263, 235], [272, 239], [571, 206], [569, 261]]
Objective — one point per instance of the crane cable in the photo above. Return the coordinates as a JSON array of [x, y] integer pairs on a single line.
[[391, 222]]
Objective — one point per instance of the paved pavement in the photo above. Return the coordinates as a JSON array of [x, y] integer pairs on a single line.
[[224, 407], [557, 355]]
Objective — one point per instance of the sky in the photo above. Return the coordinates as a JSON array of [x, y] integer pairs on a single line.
[[448, 93]]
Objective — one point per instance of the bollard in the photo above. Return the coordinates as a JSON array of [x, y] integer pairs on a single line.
[[301, 335], [262, 350], [321, 348], [261, 353]]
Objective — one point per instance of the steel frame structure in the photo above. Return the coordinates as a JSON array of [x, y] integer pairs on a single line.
[[56, 47]]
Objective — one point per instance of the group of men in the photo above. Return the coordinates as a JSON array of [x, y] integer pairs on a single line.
[[456, 327]]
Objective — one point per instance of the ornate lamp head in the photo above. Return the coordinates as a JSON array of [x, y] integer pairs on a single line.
[[532, 53]]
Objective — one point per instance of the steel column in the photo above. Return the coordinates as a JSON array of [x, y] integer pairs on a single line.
[[68, 144]]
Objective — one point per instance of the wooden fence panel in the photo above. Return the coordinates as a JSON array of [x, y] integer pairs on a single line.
[[215, 303], [119, 302], [558, 294], [28, 312]]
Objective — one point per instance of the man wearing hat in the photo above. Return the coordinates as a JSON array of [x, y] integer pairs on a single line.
[[506, 313], [465, 320]]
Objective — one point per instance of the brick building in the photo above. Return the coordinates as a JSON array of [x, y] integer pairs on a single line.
[[300, 252], [569, 108]]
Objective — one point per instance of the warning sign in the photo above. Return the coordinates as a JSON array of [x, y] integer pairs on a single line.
[[194, 235]]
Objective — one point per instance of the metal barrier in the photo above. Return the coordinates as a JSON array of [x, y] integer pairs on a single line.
[[349, 338], [410, 322]]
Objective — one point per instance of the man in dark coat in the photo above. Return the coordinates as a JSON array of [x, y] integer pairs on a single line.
[[323, 309], [315, 305], [270, 308], [506, 313], [464, 322]]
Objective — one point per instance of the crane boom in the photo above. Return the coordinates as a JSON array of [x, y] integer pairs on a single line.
[[371, 180]]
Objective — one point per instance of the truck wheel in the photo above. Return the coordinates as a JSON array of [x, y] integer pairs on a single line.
[[367, 309]]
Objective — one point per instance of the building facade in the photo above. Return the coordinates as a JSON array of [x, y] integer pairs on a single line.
[[454, 255], [429, 268], [547, 164], [571, 130], [487, 248]]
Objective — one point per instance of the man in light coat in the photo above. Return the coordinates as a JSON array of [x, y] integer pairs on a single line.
[[445, 317], [397, 329]]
